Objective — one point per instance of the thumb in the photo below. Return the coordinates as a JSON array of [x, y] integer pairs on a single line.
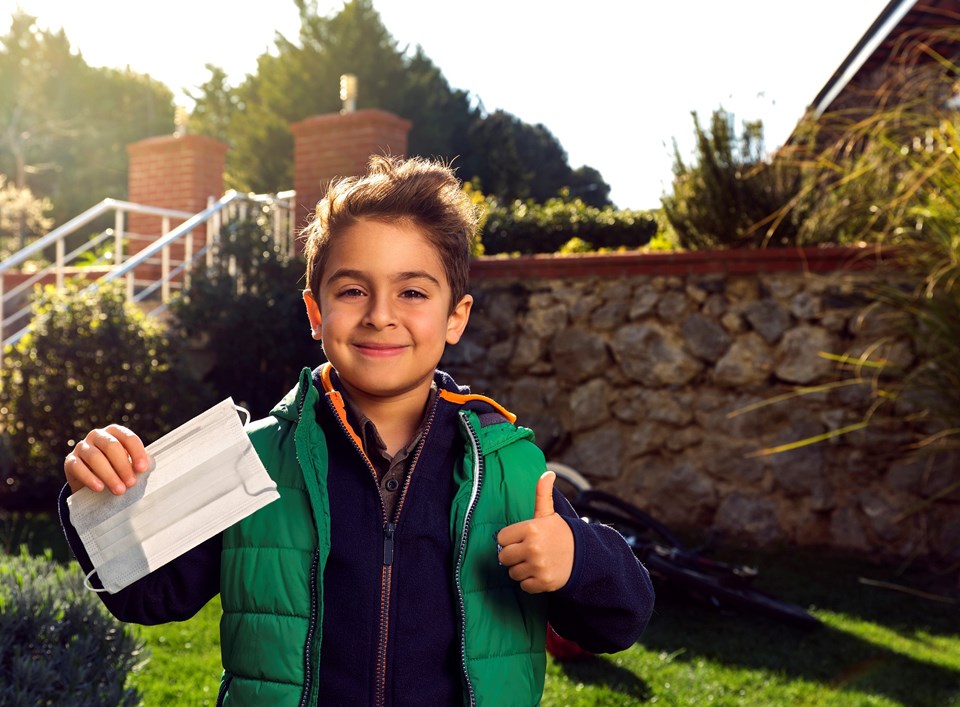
[[543, 506]]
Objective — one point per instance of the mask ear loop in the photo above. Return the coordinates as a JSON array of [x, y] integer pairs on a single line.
[[88, 585], [245, 412]]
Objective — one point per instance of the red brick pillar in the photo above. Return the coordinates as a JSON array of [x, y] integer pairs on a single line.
[[339, 145], [173, 172]]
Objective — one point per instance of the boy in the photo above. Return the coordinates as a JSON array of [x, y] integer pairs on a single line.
[[418, 549]]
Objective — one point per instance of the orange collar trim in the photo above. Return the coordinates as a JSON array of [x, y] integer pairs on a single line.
[[456, 398], [460, 399]]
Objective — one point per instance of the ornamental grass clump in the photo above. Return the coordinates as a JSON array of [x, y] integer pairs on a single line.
[[888, 174]]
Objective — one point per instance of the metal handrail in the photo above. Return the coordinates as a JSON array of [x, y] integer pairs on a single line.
[[282, 200], [158, 245], [83, 219], [40, 274]]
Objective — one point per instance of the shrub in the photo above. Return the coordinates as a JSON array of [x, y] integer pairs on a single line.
[[58, 645], [249, 317], [89, 359], [527, 227], [732, 196]]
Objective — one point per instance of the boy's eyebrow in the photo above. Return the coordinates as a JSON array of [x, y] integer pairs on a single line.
[[352, 274]]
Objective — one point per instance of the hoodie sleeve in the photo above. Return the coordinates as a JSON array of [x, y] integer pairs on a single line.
[[608, 600], [174, 592]]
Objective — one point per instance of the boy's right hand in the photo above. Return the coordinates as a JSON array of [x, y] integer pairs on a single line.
[[109, 457]]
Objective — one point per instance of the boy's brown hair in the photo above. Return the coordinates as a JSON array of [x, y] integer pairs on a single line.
[[423, 192]]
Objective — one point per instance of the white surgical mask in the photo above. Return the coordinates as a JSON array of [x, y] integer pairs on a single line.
[[205, 477]]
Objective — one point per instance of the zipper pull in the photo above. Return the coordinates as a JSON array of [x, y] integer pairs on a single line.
[[388, 529]]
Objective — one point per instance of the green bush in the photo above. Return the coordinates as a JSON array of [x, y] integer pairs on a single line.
[[249, 318], [527, 227], [58, 645], [731, 195], [89, 359]]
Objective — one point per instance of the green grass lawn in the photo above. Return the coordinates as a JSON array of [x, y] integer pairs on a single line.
[[876, 647]]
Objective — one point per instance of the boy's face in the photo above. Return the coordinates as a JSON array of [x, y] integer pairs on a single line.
[[384, 311]]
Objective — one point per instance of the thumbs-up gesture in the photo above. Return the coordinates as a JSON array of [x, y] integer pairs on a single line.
[[539, 552]]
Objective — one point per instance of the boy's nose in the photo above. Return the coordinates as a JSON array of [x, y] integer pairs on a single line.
[[379, 313]]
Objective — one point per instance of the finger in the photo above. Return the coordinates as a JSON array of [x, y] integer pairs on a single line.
[[114, 450], [529, 580], [79, 475], [521, 572], [511, 555], [543, 505], [133, 446], [511, 534], [533, 585], [104, 451], [89, 458], [124, 451]]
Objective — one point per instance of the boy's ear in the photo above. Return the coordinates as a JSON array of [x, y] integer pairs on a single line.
[[457, 321], [313, 314]]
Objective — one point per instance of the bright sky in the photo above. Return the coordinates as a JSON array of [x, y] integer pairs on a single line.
[[614, 80]]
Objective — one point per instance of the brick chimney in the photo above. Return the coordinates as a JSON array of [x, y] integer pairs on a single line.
[[339, 145]]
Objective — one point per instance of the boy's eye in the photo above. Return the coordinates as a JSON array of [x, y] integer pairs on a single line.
[[413, 294], [350, 292]]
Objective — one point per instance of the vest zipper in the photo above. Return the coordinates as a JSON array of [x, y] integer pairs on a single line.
[[311, 632], [471, 506], [389, 529], [387, 573], [314, 567]]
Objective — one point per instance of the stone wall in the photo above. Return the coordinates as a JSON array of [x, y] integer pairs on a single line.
[[640, 371]]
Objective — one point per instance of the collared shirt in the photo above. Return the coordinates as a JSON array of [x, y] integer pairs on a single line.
[[391, 470]]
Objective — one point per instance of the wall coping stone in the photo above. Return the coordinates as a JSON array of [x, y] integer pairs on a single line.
[[730, 262]]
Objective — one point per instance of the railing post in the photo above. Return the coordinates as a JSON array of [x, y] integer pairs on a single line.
[[59, 265], [213, 233], [232, 218], [118, 237], [165, 264], [187, 261], [2, 276], [119, 231]]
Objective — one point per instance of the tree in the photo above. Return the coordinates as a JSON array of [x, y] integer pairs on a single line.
[[214, 105], [64, 126], [301, 78], [22, 215], [588, 185], [516, 160]]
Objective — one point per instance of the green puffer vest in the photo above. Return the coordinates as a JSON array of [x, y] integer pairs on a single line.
[[273, 562]]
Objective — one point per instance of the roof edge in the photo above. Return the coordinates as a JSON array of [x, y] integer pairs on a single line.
[[878, 31]]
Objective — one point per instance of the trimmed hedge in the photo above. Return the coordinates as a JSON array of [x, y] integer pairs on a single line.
[[58, 644], [527, 228]]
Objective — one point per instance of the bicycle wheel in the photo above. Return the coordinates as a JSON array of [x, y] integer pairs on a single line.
[[624, 516], [720, 593], [570, 482]]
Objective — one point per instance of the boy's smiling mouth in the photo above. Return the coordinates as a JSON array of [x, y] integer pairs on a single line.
[[379, 349]]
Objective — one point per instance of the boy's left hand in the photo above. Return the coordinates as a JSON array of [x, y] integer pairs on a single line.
[[539, 552]]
